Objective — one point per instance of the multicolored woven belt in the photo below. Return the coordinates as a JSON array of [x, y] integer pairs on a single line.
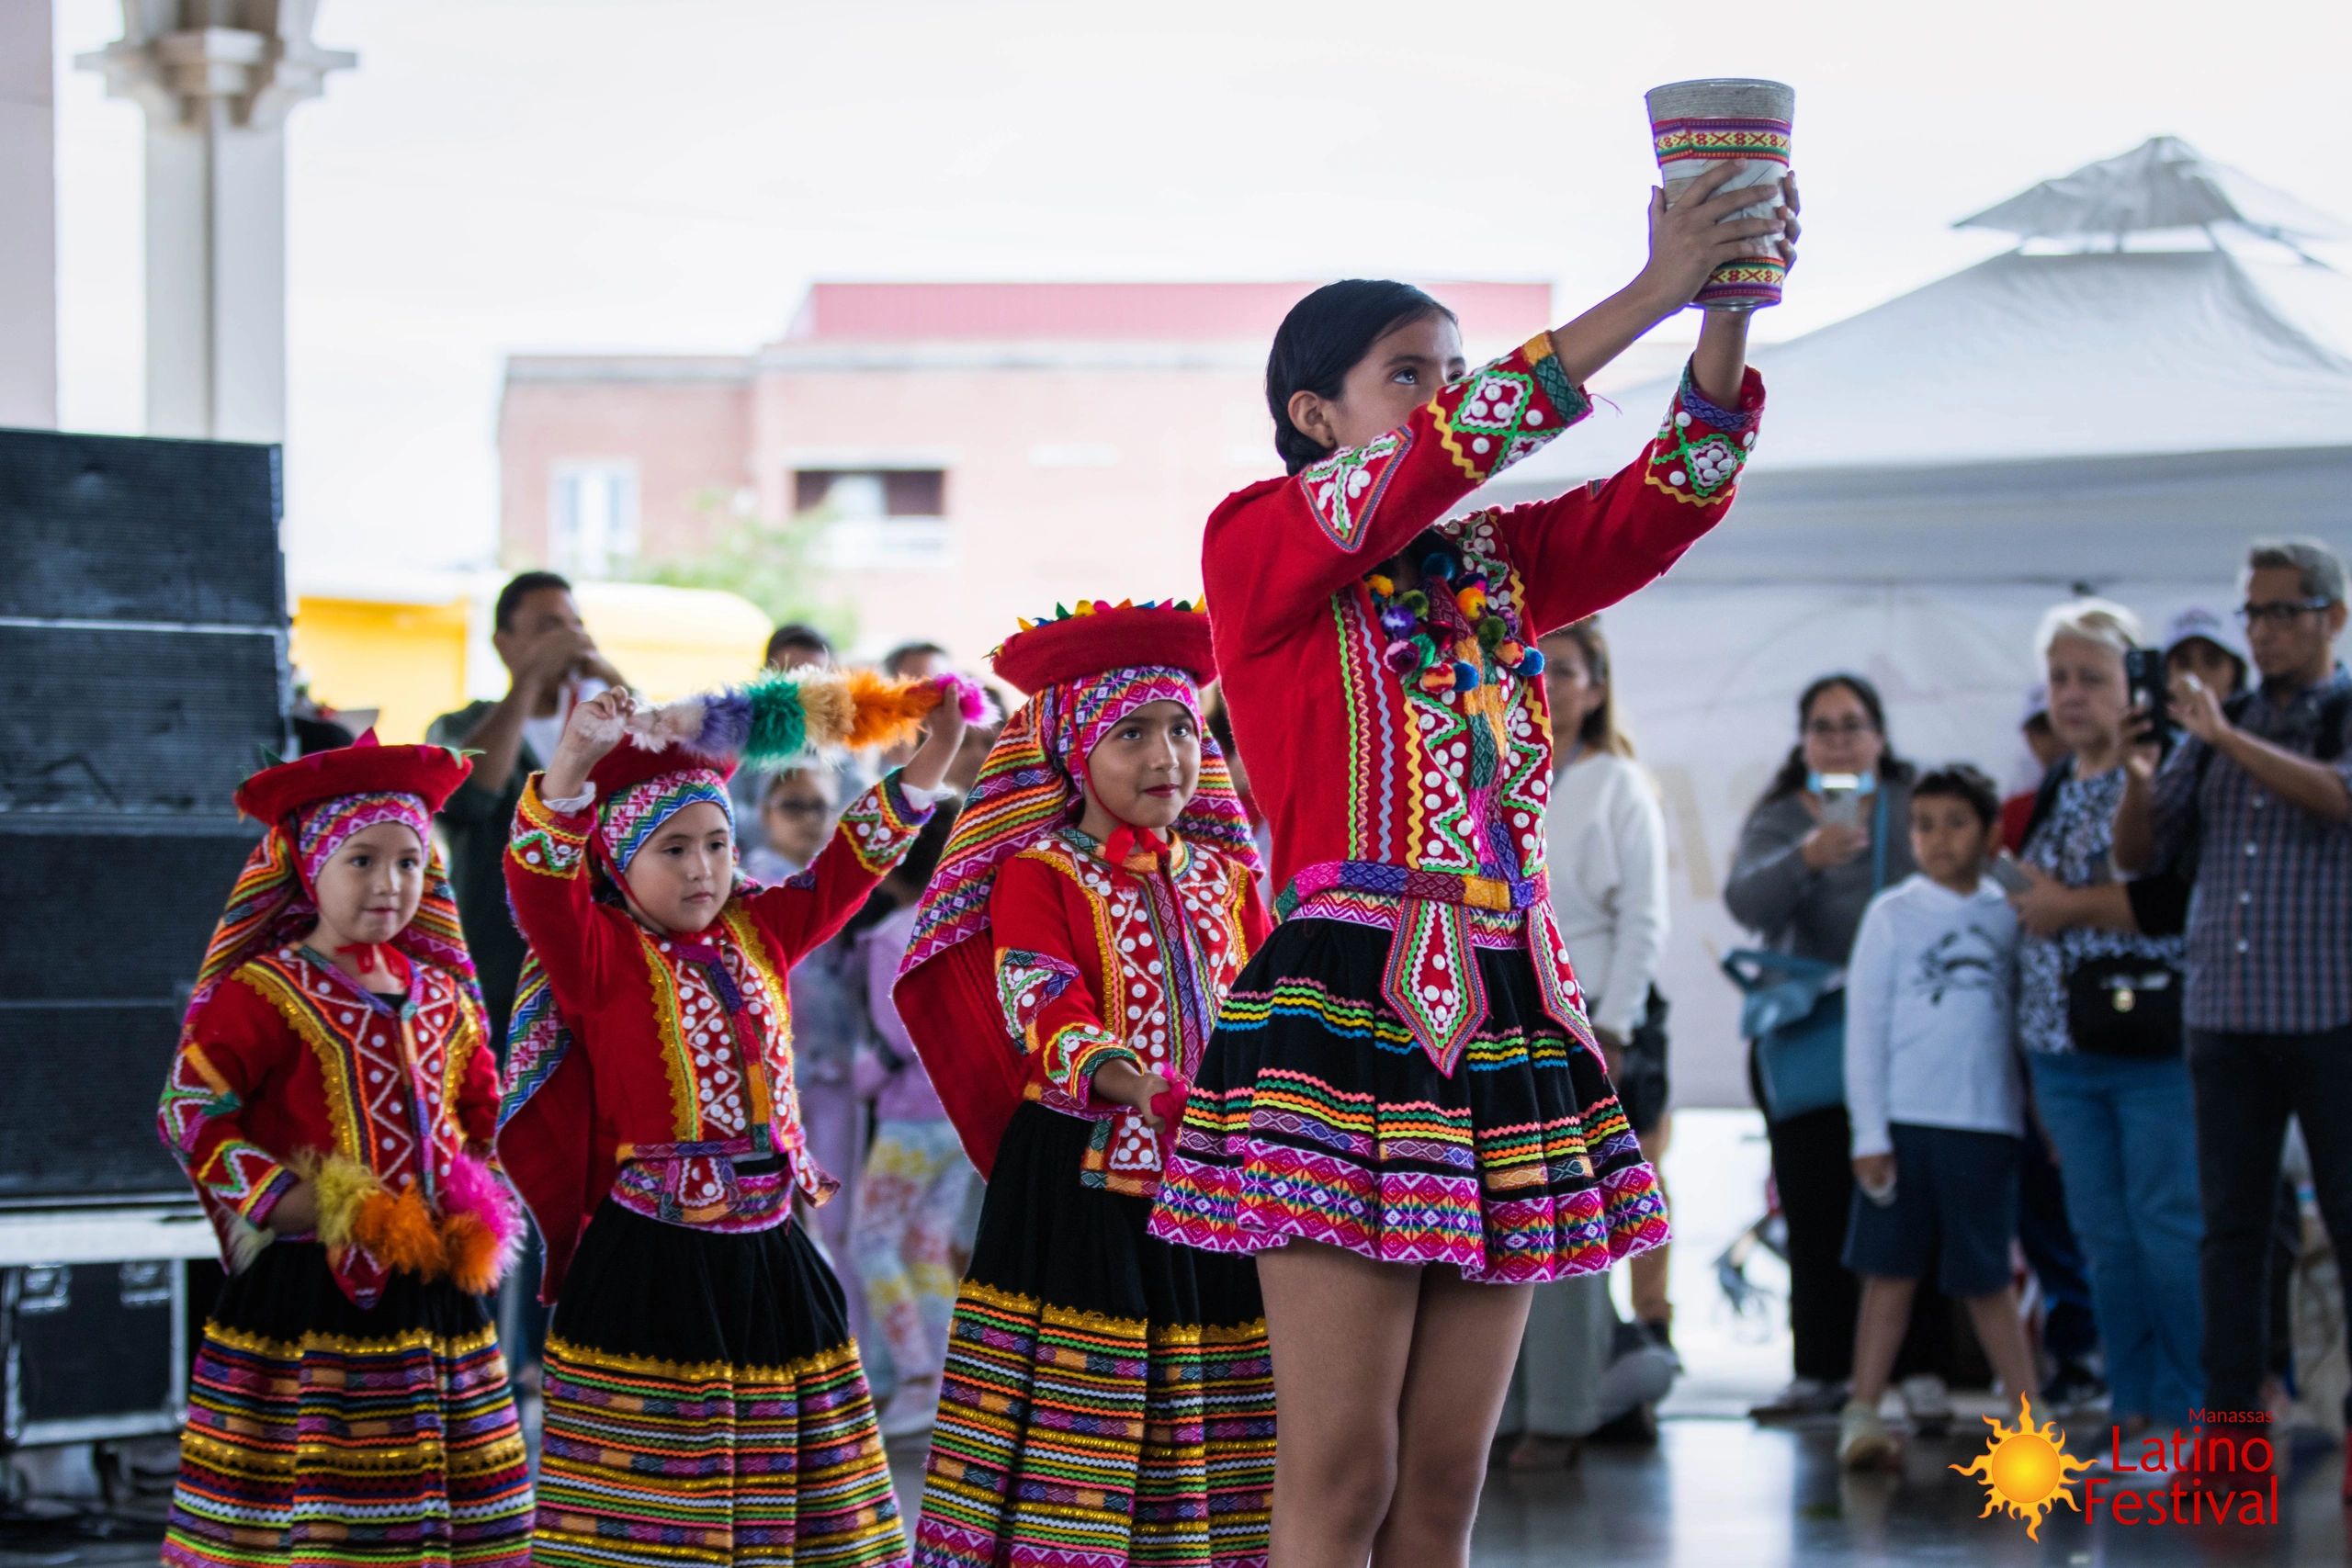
[[1406, 882]]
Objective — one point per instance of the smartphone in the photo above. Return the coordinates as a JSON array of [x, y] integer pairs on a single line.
[[2143, 676], [2008, 874], [1841, 799]]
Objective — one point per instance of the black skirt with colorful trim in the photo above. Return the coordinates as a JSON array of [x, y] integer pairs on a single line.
[[1108, 1399], [325, 1434], [1317, 1117], [705, 1405]]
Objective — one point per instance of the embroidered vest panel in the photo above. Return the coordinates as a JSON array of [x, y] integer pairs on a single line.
[[724, 1016], [1445, 809], [1168, 947], [390, 1078]]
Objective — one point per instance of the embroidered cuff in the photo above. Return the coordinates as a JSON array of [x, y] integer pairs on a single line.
[[882, 823], [247, 1179], [550, 838], [1496, 415], [571, 805], [1074, 1053], [1701, 448]]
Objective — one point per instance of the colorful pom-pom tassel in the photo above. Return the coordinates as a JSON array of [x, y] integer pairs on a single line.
[[1465, 676], [1492, 631], [1531, 665], [1401, 657], [400, 1234], [1380, 583], [1413, 599], [1397, 621], [1439, 565]]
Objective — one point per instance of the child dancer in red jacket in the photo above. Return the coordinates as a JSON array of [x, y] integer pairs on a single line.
[[705, 1401], [334, 1099], [1107, 1397]]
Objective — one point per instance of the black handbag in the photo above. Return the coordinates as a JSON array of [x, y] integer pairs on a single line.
[[2125, 1007]]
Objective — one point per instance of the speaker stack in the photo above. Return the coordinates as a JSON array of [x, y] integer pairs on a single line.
[[143, 675]]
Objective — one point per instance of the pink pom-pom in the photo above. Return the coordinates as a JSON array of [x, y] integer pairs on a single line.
[[970, 697], [473, 1188]]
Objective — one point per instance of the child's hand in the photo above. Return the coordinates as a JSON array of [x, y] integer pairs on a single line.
[[1695, 232], [297, 1213], [942, 736], [595, 729], [1875, 1173], [1125, 1084]]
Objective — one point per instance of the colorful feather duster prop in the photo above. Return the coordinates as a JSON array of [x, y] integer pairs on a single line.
[[781, 716]]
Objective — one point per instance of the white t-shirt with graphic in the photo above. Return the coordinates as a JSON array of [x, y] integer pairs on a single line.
[[1931, 1014]]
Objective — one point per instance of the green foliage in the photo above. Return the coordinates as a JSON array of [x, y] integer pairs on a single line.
[[772, 564]]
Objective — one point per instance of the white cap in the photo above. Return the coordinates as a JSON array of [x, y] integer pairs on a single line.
[[2197, 621]]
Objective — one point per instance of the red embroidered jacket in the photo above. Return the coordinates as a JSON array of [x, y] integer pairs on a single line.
[[676, 1063], [290, 1058], [1097, 963], [1416, 811]]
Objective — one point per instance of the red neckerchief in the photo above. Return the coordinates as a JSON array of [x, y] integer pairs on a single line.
[[373, 956], [1126, 840]]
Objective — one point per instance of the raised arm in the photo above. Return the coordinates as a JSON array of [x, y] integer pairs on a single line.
[[874, 835], [1579, 553], [1279, 549], [1769, 876]]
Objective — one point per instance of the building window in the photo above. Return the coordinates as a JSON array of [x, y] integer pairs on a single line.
[[877, 518], [855, 493], [593, 529]]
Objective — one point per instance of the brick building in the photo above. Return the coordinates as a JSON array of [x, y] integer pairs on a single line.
[[981, 450]]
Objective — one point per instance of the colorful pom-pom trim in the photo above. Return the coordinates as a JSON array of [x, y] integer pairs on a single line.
[[780, 717], [1448, 634]]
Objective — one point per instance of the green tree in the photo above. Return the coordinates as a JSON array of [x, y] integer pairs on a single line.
[[774, 565]]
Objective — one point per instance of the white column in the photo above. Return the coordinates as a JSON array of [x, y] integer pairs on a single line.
[[217, 79], [28, 198]]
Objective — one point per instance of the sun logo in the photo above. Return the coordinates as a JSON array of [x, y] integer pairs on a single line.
[[2025, 1468]]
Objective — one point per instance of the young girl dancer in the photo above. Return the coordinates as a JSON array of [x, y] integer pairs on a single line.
[[705, 1404], [332, 1099], [1403, 1110], [1107, 1399]]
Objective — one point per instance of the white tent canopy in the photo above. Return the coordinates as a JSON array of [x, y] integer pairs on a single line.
[[1934, 473]]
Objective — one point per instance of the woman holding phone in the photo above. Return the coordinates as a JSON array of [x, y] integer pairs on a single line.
[[1825, 837]]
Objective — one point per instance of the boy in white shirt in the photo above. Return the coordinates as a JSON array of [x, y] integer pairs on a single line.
[[1936, 1101]]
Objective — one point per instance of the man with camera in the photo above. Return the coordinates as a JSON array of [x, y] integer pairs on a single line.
[[2255, 802]]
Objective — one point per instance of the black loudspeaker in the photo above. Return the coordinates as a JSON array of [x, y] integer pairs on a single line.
[[142, 673], [91, 1351]]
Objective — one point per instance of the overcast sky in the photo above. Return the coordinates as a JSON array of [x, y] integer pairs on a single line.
[[503, 176]]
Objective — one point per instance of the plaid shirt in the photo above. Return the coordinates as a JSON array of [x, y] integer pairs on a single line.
[[2270, 926]]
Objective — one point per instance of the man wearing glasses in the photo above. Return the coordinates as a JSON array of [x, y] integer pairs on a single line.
[[2256, 801]]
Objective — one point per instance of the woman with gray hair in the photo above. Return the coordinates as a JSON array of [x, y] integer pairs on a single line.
[[2098, 1015]]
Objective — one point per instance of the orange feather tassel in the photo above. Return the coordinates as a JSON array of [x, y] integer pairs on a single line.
[[399, 1233], [472, 1253], [888, 711]]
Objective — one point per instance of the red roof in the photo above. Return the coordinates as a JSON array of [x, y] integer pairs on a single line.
[[1118, 312]]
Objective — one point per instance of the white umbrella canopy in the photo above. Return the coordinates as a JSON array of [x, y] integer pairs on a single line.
[[2162, 184]]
